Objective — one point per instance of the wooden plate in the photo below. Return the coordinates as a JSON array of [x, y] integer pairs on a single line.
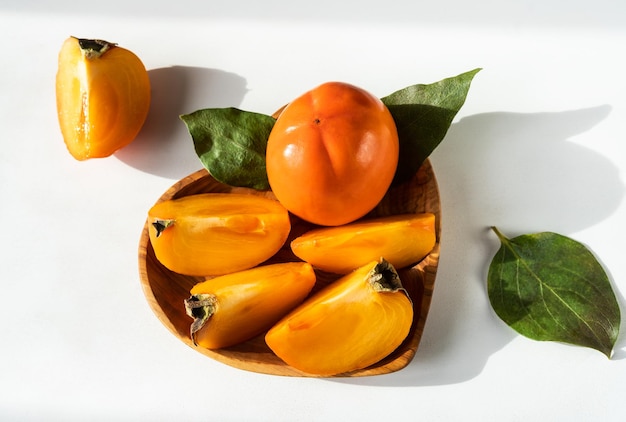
[[166, 290]]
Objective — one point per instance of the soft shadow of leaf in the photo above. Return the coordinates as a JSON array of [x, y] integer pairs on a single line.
[[521, 169], [164, 147]]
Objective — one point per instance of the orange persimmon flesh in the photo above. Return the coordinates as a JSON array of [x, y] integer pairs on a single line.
[[217, 233], [401, 239], [233, 308], [103, 97], [349, 325]]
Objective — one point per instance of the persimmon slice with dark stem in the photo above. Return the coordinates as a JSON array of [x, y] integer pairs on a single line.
[[349, 325], [233, 308], [217, 233], [103, 97]]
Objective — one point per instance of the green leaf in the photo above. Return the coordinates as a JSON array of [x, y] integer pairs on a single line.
[[549, 287], [423, 115], [231, 144]]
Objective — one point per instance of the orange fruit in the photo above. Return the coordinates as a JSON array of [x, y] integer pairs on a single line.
[[103, 97], [402, 239], [348, 325], [217, 233], [332, 154], [235, 307]]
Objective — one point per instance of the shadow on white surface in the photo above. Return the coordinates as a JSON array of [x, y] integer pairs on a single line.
[[519, 172], [164, 147]]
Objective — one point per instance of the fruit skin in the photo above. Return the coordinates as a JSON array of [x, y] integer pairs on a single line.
[[103, 97], [332, 154], [246, 303], [217, 233], [349, 325], [401, 239]]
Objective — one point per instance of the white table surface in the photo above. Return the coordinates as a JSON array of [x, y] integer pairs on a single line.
[[539, 145]]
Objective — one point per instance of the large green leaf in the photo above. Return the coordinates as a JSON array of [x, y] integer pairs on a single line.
[[231, 144], [549, 287], [423, 115]]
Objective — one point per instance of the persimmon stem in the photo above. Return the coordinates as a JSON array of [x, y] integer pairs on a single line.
[[199, 307], [93, 49], [385, 278], [161, 225]]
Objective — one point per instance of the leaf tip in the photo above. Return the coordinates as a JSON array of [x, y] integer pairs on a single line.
[[472, 73]]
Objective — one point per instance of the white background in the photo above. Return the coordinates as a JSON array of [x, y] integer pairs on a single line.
[[539, 145]]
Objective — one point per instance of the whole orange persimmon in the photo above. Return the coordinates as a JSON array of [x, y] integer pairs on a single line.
[[332, 154], [103, 97]]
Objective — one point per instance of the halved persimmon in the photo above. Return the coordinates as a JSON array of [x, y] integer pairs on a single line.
[[103, 97]]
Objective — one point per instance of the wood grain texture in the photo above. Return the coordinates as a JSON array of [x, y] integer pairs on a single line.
[[165, 290]]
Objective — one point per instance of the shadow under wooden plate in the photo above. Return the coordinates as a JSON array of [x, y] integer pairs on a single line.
[[166, 290]]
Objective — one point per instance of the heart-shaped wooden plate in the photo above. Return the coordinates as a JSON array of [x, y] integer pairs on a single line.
[[166, 290]]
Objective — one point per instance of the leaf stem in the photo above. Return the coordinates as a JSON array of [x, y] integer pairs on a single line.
[[498, 233]]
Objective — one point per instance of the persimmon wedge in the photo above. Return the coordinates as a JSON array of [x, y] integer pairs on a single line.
[[103, 97], [217, 233], [350, 324], [401, 239], [233, 308]]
